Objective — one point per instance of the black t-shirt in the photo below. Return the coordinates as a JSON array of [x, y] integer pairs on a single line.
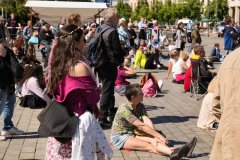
[[13, 23]]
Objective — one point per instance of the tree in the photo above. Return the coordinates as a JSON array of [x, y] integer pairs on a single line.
[[193, 9], [17, 7], [124, 10], [142, 10], [155, 10], [217, 9], [165, 12]]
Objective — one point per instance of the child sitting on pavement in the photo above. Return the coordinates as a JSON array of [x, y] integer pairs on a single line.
[[133, 130], [123, 72]]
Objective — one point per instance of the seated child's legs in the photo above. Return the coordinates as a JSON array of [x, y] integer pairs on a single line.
[[138, 144], [120, 89], [159, 147]]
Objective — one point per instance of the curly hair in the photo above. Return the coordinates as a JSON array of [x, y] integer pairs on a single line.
[[65, 54]]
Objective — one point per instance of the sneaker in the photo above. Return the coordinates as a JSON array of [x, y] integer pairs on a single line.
[[3, 138], [178, 153], [12, 131], [191, 146], [105, 124]]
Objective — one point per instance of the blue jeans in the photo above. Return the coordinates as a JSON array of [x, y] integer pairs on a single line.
[[7, 103]]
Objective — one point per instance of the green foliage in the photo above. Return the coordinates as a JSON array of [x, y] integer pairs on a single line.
[[217, 9], [193, 9], [168, 12], [124, 10], [142, 10], [17, 7], [155, 11]]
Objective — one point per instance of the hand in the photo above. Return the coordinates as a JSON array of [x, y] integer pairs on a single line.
[[161, 139]]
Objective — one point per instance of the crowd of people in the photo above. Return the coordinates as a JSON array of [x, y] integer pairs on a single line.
[[70, 80]]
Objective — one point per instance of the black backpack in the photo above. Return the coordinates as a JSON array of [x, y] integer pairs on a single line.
[[96, 55]]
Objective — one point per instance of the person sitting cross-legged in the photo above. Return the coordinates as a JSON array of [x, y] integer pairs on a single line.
[[132, 129]]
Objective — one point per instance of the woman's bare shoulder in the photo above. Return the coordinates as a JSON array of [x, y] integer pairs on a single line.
[[79, 70]]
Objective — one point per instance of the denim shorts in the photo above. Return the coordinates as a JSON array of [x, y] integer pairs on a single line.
[[118, 140]]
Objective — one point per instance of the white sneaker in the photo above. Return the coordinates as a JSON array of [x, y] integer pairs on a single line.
[[12, 131], [3, 138]]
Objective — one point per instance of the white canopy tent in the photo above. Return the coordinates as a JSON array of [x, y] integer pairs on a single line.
[[52, 11]]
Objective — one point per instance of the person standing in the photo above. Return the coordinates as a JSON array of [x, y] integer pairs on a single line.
[[108, 71], [27, 33], [62, 23], [7, 93], [142, 26], [13, 24], [181, 36], [133, 35], [230, 35], [226, 109], [2, 28], [196, 37]]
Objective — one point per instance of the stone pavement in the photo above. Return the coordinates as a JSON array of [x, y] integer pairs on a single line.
[[173, 112]]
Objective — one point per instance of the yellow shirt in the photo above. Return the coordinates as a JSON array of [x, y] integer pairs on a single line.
[[140, 59]]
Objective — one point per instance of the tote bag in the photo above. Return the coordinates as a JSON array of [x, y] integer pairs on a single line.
[[57, 121]]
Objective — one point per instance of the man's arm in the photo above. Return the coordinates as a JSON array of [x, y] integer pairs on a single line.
[[117, 51], [147, 129], [147, 120], [231, 32]]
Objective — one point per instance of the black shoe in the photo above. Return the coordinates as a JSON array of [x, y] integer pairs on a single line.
[[178, 153], [191, 146], [104, 123]]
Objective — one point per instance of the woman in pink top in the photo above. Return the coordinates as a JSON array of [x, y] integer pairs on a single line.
[[73, 84]]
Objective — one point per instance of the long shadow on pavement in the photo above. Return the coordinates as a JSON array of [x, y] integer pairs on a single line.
[[149, 108], [171, 119]]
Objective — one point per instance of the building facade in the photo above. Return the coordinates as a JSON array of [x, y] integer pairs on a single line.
[[234, 10]]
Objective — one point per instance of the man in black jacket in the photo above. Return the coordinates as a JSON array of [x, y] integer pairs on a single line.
[[108, 71], [7, 93]]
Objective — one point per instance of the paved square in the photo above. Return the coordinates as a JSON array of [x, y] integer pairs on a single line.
[[173, 112]]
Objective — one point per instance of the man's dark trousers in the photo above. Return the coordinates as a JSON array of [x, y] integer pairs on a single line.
[[108, 75]]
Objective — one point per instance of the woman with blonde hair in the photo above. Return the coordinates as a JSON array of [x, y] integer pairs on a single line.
[[180, 67], [171, 63]]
